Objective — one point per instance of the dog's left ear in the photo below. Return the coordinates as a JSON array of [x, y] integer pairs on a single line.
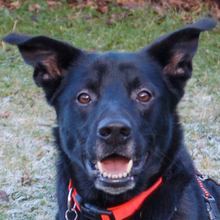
[[50, 59], [175, 51]]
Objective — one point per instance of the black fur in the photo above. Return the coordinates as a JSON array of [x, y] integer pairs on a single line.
[[115, 121]]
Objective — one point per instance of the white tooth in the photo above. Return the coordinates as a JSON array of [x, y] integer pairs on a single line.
[[119, 175], [130, 165], [105, 174], [109, 175], [100, 167], [114, 176], [124, 174]]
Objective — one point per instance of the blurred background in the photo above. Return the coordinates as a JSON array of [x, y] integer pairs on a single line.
[[27, 154]]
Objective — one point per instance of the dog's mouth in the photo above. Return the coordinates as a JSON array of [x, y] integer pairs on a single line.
[[115, 173], [114, 167]]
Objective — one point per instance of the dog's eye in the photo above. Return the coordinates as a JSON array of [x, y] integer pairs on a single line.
[[84, 98], [144, 96]]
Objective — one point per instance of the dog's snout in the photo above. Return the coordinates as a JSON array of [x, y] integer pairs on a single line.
[[114, 132]]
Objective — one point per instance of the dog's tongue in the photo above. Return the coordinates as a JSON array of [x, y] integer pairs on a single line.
[[115, 164]]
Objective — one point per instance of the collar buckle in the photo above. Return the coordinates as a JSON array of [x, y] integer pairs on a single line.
[[91, 211], [212, 208]]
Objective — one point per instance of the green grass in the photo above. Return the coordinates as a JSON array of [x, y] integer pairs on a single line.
[[27, 155]]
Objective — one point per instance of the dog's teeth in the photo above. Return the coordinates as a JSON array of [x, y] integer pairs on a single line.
[[114, 176], [100, 167], [124, 174], [130, 165]]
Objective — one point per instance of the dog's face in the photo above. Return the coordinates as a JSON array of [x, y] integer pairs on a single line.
[[116, 111], [114, 118]]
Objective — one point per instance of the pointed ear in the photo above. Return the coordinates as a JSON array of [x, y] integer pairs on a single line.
[[175, 51], [50, 59]]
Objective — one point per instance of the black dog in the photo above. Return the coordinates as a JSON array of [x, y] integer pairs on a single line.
[[119, 140]]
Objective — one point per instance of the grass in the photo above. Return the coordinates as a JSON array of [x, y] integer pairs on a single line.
[[27, 155]]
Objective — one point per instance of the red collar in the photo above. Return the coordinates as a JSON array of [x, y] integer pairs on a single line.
[[127, 209]]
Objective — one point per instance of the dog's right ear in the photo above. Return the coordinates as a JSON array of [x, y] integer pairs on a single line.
[[50, 59], [174, 52]]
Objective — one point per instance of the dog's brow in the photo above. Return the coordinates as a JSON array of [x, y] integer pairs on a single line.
[[127, 67], [93, 84], [101, 67], [133, 84]]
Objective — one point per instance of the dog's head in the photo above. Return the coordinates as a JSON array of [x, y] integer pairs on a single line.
[[116, 111]]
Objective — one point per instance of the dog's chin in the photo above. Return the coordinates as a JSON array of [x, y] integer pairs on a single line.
[[115, 174], [114, 187]]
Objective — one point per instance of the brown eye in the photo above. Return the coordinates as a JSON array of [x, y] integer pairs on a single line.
[[144, 96], [84, 98]]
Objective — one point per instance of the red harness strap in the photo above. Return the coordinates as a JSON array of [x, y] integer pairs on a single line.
[[127, 209], [210, 202], [207, 195]]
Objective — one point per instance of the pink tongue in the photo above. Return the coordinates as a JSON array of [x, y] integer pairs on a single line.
[[115, 165]]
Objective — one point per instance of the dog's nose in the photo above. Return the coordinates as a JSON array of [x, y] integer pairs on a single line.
[[114, 131]]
